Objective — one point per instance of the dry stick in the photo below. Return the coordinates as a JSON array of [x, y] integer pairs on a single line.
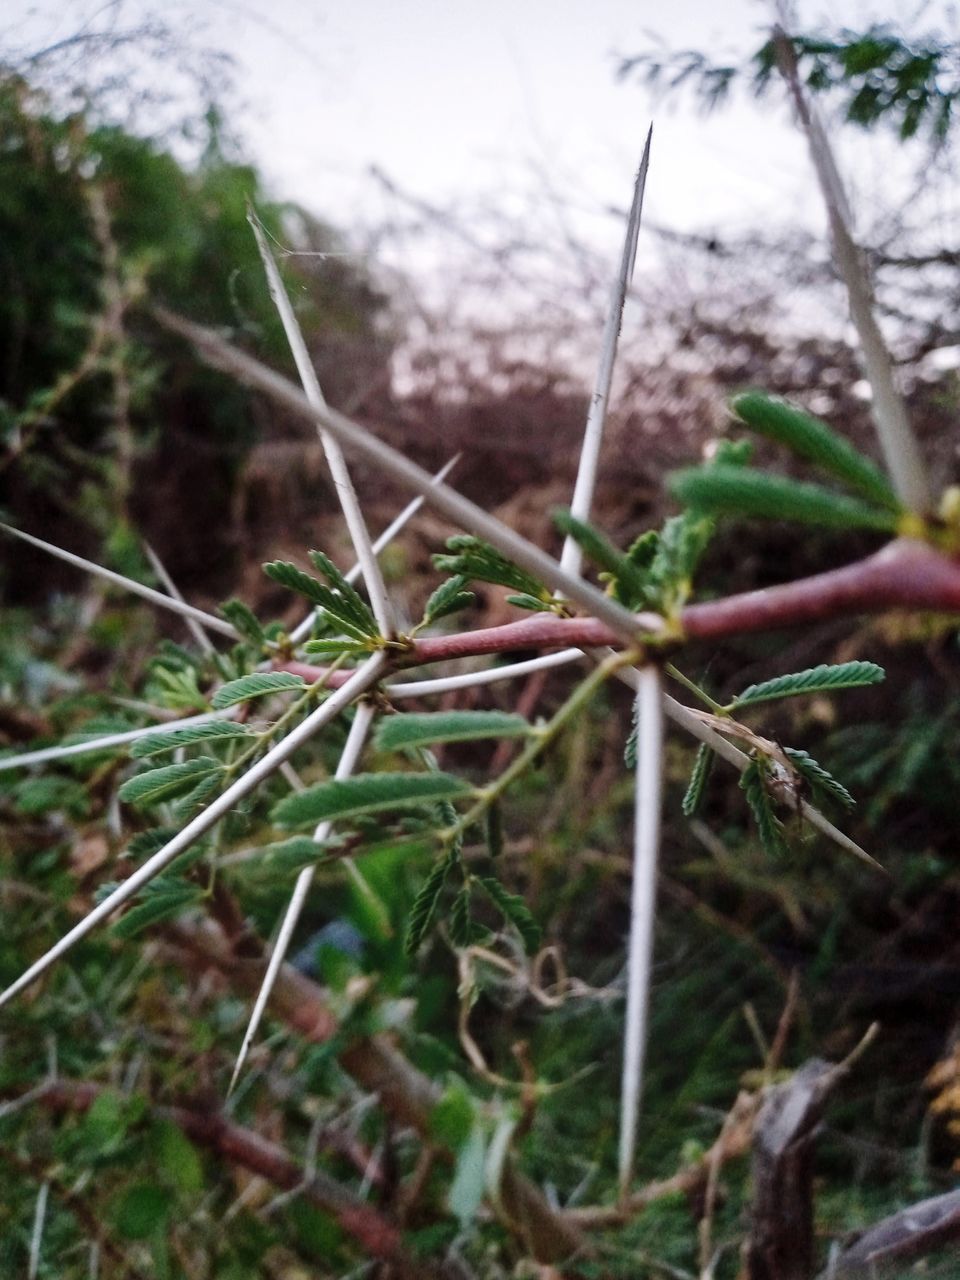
[[646, 843], [363, 1222], [346, 494], [362, 679], [348, 761], [571, 557], [223, 355], [380, 1068], [129, 584], [901, 451]]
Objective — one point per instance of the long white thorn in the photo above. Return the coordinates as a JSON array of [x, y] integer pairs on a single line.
[[492, 675], [209, 620], [361, 680], [649, 787], [160, 569], [447, 501], [572, 557], [36, 1236], [898, 443], [348, 762], [390, 532], [352, 514], [44, 754]]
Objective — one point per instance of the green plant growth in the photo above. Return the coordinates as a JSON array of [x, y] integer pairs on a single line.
[[417, 1101]]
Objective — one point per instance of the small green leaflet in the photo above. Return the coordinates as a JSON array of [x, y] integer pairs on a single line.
[[186, 806], [698, 780], [680, 545], [334, 648], [461, 926], [643, 549], [514, 909], [366, 793], [630, 584], [819, 778], [812, 439], [172, 780], [255, 685], [398, 732], [351, 603], [533, 603], [761, 806], [477, 561], [243, 620], [425, 904], [341, 611], [449, 597], [162, 898], [726, 490], [822, 679], [142, 1211], [154, 743]]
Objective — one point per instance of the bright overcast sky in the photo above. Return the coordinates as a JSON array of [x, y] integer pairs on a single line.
[[455, 97]]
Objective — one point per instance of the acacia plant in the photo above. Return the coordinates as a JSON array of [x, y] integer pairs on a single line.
[[217, 796]]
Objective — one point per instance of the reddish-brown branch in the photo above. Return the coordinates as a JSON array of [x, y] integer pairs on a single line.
[[379, 1067], [374, 1233], [904, 575]]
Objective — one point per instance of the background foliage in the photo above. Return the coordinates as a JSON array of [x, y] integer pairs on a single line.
[[111, 432]]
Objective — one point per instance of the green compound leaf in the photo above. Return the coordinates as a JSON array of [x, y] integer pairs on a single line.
[[340, 611], [162, 898], [726, 490], [477, 561], [255, 685], [643, 549], [449, 597], [819, 778], [461, 926], [366, 793], [629, 582], [702, 767], [822, 679], [186, 806], [172, 780], [769, 826], [350, 600], [217, 730], [814, 440], [679, 547], [515, 910], [425, 904], [243, 620], [395, 733]]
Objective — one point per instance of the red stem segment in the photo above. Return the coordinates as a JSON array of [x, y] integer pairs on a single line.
[[904, 575]]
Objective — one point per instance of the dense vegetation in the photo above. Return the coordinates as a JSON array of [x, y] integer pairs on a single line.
[[404, 1081]]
